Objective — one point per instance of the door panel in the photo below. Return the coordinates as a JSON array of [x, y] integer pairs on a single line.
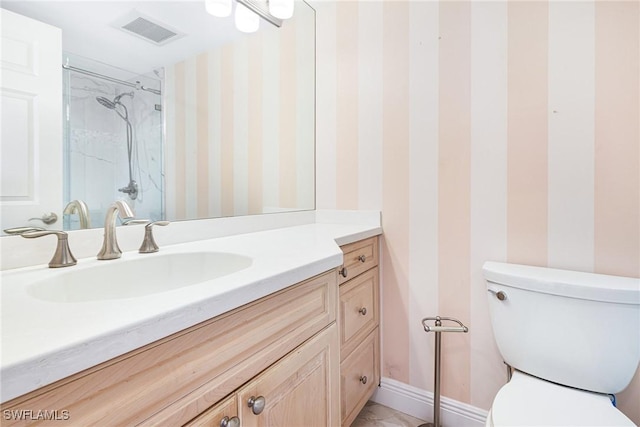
[[31, 122]]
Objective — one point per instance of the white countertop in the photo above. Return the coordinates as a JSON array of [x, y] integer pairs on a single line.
[[43, 341]]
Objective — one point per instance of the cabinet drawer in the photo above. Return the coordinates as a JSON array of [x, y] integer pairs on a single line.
[[358, 258], [358, 310], [213, 417], [359, 376]]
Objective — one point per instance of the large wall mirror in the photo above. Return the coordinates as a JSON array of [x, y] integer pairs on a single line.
[[167, 107]]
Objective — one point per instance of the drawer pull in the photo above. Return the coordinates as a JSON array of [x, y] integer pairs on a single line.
[[363, 311], [230, 422], [343, 272], [363, 379], [257, 404], [362, 258]]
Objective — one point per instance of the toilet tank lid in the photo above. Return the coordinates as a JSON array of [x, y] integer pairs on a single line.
[[572, 284]]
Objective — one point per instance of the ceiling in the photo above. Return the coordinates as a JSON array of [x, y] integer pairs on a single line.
[[88, 29]]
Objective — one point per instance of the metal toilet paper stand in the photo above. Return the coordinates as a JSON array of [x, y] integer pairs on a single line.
[[439, 329]]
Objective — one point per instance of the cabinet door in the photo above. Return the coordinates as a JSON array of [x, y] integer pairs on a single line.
[[300, 390], [224, 414], [360, 375]]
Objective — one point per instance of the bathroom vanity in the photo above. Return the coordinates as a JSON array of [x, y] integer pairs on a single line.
[[171, 381], [306, 353]]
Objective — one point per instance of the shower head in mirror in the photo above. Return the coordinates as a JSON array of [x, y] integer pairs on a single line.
[[116, 100], [106, 102], [112, 104]]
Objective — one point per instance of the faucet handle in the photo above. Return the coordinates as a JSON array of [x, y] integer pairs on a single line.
[[22, 230], [63, 256], [149, 244], [135, 221]]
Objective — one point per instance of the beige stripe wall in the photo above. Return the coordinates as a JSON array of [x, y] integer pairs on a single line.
[[347, 109], [510, 131], [527, 130], [395, 182], [454, 144], [238, 142]]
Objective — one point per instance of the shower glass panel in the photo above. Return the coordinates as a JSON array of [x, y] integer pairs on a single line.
[[113, 140]]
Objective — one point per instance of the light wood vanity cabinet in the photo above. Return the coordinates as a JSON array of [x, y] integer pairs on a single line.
[[358, 319], [305, 356], [298, 390], [172, 381]]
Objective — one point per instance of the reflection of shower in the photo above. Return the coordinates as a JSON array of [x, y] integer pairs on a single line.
[[132, 188]]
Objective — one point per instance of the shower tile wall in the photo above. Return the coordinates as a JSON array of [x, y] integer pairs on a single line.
[[96, 163]]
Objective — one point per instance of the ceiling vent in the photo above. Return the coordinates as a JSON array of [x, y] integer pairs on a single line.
[[147, 28]]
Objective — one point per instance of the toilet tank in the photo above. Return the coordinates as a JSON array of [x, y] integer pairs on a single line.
[[572, 328]]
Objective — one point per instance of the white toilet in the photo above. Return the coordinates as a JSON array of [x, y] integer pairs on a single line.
[[573, 339]]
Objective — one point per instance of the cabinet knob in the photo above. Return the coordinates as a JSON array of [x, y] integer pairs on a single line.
[[343, 272], [230, 422], [363, 379], [363, 311], [257, 404], [362, 258]]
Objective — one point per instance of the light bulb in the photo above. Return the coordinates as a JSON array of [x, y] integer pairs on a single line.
[[246, 20], [220, 8], [282, 9]]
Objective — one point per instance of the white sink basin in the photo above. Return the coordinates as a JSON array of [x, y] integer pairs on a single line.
[[137, 277]]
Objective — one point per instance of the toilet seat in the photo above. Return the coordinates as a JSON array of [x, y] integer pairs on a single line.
[[530, 401]]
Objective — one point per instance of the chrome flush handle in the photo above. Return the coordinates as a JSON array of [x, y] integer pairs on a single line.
[[501, 295]]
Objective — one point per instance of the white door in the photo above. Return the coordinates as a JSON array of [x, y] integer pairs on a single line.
[[31, 122]]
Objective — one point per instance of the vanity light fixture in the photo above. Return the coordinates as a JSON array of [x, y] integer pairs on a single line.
[[248, 12], [282, 9], [261, 7], [220, 8], [246, 20]]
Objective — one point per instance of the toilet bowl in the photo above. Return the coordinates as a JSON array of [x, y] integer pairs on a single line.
[[530, 401], [573, 340]]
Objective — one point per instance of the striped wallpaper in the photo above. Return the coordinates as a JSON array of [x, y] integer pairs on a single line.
[[240, 125], [505, 131]]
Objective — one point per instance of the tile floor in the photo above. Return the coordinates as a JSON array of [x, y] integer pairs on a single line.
[[375, 415]]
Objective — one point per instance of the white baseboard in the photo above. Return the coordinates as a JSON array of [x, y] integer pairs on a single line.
[[419, 403]]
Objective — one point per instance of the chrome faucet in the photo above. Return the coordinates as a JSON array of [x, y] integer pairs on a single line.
[[63, 256], [110, 248], [83, 212]]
